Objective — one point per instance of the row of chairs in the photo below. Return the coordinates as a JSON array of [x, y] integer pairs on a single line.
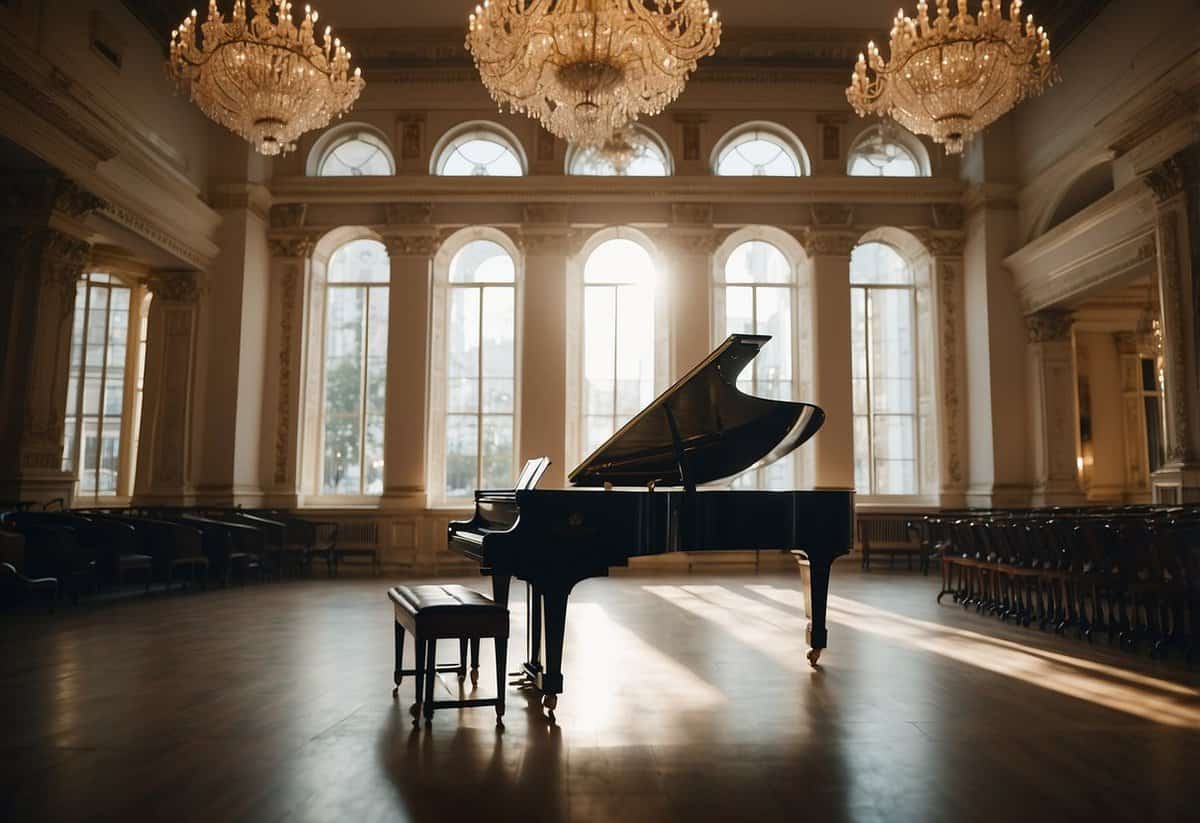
[[1130, 573], [82, 551]]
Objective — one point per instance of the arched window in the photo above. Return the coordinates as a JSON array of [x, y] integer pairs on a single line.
[[883, 371], [635, 152], [351, 150], [354, 384], [887, 151], [479, 150], [760, 150], [102, 414], [757, 292], [618, 338], [475, 411]]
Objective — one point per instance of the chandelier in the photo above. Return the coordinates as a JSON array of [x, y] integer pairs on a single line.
[[268, 80], [585, 68], [950, 78]]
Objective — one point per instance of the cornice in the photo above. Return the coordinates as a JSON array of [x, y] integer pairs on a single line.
[[159, 235], [254, 197]]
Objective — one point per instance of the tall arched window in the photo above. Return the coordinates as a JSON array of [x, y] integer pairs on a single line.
[[883, 371], [351, 150], [102, 415], [757, 293], [480, 390], [354, 387], [760, 150], [479, 150], [635, 152], [887, 151], [618, 338]]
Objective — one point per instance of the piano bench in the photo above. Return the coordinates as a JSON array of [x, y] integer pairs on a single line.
[[432, 613]]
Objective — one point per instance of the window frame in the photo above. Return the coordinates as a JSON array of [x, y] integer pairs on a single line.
[[911, 289], [576, 154], [476, 129], [786, 137], [334, 137], [131, 395], [900, 137], [800, 304], [440, 351]]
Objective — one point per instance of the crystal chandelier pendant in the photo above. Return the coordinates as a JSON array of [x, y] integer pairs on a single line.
[[586, 68], [269, 81], [952, 76]]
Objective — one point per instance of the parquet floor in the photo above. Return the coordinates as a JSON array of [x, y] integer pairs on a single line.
[[687, 698]]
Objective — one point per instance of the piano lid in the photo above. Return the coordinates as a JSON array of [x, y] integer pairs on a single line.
[[702, 429]]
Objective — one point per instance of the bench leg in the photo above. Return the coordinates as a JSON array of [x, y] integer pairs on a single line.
[[501, 659], [398, 672], [462, 658], [430, 673], [419, 678], [475, 661]]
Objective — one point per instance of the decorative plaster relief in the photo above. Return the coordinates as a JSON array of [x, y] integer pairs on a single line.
[[410, 138], [825, 242], [692, 213], [287, 314], [947, 215], [166, 240], [175, 286], [409, 214], [411, 245], [291, 246], [74, 201], [288, 215], [1165, 180], [948, 293], [1048, 326], [832, 214], [545, 213], [1171, 288]]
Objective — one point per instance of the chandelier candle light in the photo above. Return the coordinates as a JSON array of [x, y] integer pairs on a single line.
[[585, 68], [950, 78], [268, 80]]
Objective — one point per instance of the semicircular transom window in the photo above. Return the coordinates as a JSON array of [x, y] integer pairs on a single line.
[[358, 154], [479, 153], [883, 159], [758, 153], [641, 156]]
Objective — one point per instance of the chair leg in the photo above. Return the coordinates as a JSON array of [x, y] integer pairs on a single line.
[[501, 660], [419, 679], [475, 661]]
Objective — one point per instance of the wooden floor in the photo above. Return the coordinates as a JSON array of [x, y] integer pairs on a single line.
[[687, 698]]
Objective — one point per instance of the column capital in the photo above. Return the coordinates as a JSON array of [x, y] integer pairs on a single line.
[[424, 244], [686, 240], [288, 215], [1049, 326], [291, 245], [175, 286], [826, 242], [1165, 180]]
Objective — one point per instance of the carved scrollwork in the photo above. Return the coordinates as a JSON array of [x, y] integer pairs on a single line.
[[175, 286], [74, 201], [300, 245], [411, 245], [948, 291], [945, 244], [826, 242], [63, 260], [1048, 326], [1165, 180]]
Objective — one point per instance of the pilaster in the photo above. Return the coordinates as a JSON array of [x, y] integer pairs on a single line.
[[411, 251], [164, 474], [1053, 409], [689, 248], [1175, 184], [946, 282], [833, 446]]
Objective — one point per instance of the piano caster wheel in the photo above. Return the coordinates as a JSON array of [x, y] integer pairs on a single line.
[[474, 677], [395, 692], [813, 656], [550, 703]]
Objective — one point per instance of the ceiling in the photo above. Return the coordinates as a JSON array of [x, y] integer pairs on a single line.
[[1062, 18]]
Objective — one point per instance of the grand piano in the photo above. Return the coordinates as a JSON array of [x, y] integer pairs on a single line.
[[640, 493]]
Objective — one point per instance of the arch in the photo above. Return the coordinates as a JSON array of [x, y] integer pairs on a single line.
[[455, 242], [1086, 188], [782, 240], [577, 155], [910, 247], [892, 133], [471, 130], [338, 136], [767, 131], [334, 239]]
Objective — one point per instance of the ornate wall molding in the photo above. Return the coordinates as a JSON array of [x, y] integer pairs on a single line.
[[553, 213], [300, 245], [409, 214], [63, 261], [164, 239], [288, 215], [175, 286], [947, 215], [692, 213], [288, 314], [1165, 180], [1170, 285], [1049, 326], [74, 201], [832, 214], [411, 245], [948, 289]]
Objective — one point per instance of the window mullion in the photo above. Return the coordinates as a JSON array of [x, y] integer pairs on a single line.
[[81, 378], [479, 396], [870, 350], [103, 388], [362, 409]]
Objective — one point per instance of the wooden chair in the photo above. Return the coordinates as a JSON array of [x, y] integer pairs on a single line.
[[431, 613]]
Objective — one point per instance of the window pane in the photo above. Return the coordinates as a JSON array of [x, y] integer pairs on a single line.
[[373, 455], [597, 429], [362, 154], [498, 395], [758, 153], [342, 465], [377, 332], [497, 468], [892, 360], [757, 261], [479, 154], [739, 310], [482, 261], [774, 360], [635, 350], [463, 333], [360, 261], [619, 261], [110, 450], [499, 322], [878, 263], [862, 454], [462, 449], [600, 319], [894, 439], [647, 159]]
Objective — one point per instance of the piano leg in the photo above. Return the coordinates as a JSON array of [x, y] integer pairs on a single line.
[[814, 579], [500, 588], [554, 606]]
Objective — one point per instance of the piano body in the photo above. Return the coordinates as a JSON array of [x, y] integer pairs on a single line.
[[638, 495]]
